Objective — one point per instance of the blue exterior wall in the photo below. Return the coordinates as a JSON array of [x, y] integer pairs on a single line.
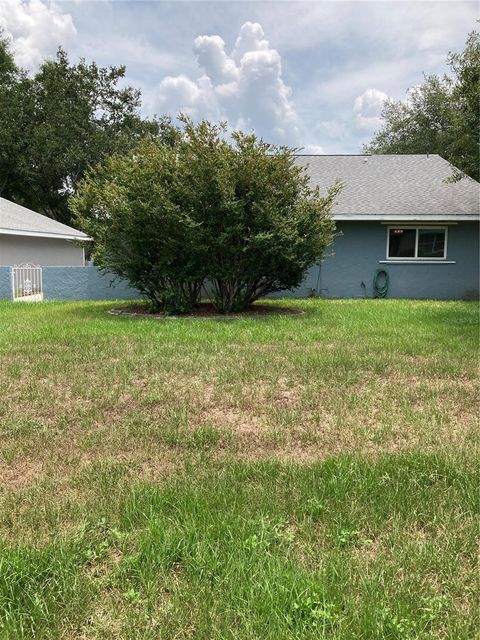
[[352, 260], [83, 283], [359, 251], [5, 284], [73, 283]]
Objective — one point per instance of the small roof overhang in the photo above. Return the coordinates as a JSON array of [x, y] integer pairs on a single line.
[[40, 234], [405, 218]]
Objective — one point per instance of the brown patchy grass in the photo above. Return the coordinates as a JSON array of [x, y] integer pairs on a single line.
[[73, 414], [81, 388], [189, 478]]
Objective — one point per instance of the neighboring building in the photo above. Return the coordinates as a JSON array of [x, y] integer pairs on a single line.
[[402, 214], [41, 259], [28, 237]]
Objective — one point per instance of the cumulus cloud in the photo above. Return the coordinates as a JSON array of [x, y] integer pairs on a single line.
[[367, 109], [211, 56], [250, 38], [194, 98], [245, 87], [35, 28]]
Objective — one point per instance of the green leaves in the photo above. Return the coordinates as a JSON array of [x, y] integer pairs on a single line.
[[237, 214], [133, 206]]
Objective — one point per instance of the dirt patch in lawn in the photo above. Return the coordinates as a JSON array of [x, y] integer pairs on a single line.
[[18, 475], [207, 310]]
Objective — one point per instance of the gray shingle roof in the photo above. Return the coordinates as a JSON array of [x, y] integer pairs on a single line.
[[22, 221], [383, 187], [395, 187]]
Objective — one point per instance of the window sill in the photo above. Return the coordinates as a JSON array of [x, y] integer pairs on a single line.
[[417, 261]]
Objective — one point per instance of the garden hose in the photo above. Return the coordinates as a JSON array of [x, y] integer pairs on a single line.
[[380, 289]]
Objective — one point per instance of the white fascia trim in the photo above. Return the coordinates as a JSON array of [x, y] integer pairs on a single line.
[[406, 218], [419, 223], [40, 234], [418, 261]]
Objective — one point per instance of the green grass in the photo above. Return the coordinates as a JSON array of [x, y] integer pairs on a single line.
[[310, 476]]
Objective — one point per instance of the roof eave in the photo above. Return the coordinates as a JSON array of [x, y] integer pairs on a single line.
[[40, 234], [340, 217]]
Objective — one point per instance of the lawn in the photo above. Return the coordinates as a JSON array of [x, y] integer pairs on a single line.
[[302, 476]]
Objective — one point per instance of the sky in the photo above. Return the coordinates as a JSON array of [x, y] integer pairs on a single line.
[[308, 74]]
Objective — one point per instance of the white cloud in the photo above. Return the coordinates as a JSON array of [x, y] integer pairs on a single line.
[[250, 38], [331, 52], [194, 98], [366, 112], [211, 56], [36, 29], [368, 107], [394, 26], [244, 88]]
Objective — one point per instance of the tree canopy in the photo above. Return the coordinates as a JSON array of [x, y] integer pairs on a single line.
[[58, 122], [237, 213], [440, 116]]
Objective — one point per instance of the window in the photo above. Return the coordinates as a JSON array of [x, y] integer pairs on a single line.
[[424, 243], [431, 243], [402, 243]]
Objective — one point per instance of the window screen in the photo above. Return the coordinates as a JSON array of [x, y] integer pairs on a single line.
[[431, 243], [402, 243]]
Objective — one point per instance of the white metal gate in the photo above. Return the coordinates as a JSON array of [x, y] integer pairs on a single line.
[[27, 282]]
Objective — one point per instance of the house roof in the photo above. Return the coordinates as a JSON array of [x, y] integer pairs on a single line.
[[395, 187], [376, 187], [20, 221]]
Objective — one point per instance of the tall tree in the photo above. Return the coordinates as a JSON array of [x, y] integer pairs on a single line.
[[14, 98], [440, 116], [59, 122], [8, 68]]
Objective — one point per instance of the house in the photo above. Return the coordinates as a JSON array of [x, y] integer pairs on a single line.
[[29, 237], [41, 259], [403, 215]]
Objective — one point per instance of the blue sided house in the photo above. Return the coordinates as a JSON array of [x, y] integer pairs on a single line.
[[403, 215], [402, 221]]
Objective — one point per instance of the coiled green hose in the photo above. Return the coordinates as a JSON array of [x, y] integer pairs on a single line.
[[380, 289]]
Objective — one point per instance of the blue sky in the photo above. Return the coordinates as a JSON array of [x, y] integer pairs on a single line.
[[311, 74]]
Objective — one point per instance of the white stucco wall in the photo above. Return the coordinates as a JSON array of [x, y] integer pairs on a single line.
[[46, 252]]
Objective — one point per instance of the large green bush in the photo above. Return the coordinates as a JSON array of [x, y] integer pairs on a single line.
[[132, 207], [238, 213]]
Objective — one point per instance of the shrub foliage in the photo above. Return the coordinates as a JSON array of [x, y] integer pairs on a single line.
[[237, 213]]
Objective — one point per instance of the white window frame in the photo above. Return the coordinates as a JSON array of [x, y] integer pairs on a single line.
[[416, 257]]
